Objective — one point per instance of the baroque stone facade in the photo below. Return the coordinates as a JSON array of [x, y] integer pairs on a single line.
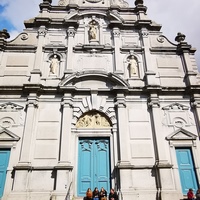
[[93, 94]]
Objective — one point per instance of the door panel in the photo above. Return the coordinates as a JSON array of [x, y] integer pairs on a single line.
[[85, 166], [186, 169], [4, 159], [93, 164]]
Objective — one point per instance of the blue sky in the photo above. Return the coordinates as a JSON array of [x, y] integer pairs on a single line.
[[174, 15], [5, 22]]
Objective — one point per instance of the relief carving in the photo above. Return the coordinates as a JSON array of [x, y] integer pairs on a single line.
[[177, 115], [6, 122], [10, 107], [92, 120]]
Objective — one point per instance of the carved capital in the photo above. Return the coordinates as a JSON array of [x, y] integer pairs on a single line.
[[67, 102], [144, 32], [153, 102], [116, 32], [42, 31], [71, 32], [120, 102], [32, 101], [195, 104]]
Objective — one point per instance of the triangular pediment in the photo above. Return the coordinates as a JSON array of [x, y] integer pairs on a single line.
[[181, 134], [176, 106], [10, 107], [6, 135]]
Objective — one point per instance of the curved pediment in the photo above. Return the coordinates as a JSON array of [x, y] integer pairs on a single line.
[[94, 80]]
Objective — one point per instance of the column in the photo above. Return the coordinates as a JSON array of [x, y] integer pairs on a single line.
[[28, 129], [70, 60], [118, 63]]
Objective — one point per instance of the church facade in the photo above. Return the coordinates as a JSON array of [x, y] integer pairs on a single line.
[[94, 95]]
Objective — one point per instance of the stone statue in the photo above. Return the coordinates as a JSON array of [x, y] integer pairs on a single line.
[[54, 64], [132, 66], [93, 28], [120, 3]]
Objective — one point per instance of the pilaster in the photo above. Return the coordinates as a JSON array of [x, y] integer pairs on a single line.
[[36, 73], [65, 143], [184, 51], [32, 105], [123, 132], [70, 35], [116, 35], [195, 104], [158, 137], [150, 69]]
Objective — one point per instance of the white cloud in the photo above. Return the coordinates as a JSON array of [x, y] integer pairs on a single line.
[[175, 16]]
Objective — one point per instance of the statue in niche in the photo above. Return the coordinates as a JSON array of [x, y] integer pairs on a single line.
[[132, 66], [54, 64], [93, 30], [92, 120]]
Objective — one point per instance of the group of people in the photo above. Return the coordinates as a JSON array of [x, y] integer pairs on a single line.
[[192, 196], [100, 195]]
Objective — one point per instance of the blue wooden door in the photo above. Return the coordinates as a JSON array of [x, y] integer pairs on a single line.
[[186, 169], [4, 159], [93, 164]]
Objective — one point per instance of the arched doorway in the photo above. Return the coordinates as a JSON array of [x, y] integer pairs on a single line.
[[93, 153]]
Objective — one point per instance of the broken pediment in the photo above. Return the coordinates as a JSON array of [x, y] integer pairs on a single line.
[[10, 107], [6, 135], [181, 134], [176, 106]]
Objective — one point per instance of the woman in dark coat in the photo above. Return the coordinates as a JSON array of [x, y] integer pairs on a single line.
[[102, 194], [113, 195], [95, 194]]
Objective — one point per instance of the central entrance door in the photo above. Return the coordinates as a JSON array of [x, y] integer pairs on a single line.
[[93, 164]]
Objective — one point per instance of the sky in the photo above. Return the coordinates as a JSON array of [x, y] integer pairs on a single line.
[[174, 16]]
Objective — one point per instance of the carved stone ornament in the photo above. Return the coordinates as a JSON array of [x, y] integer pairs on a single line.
[[92, 120], [93, 1]]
